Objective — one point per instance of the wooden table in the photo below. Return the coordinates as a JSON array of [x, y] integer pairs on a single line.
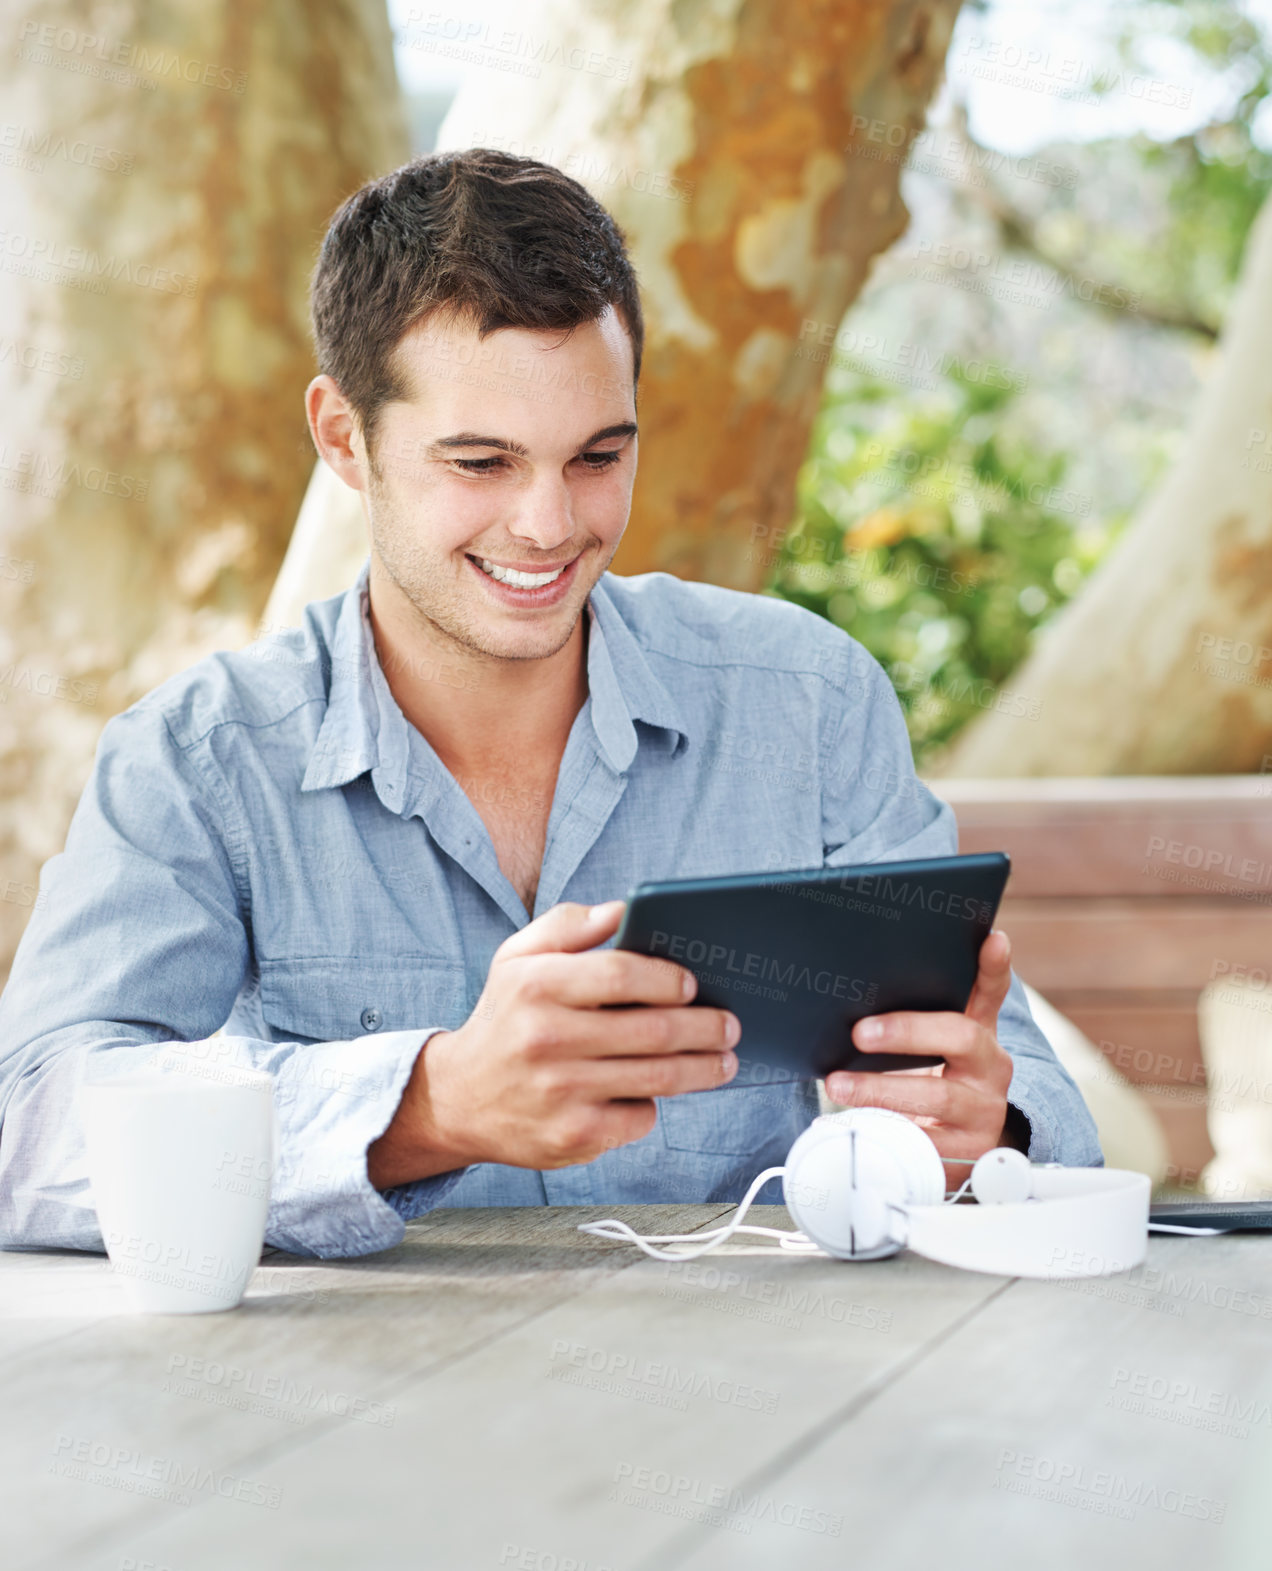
[[503, 1391]]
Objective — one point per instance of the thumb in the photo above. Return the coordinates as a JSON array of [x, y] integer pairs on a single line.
[[993, 979], [565, 928]]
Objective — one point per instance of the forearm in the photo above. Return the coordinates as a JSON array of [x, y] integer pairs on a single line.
[[332, 1100], [413, 1147], [139, 949]]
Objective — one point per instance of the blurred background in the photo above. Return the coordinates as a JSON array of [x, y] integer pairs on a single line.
[[960, 334]]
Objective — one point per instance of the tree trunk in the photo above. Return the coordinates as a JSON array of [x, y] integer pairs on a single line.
[[751, 150], [1163, 663], [170, 176]]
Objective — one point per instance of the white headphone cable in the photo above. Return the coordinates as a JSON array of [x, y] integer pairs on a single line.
[[623, 1234], [788, 1238]]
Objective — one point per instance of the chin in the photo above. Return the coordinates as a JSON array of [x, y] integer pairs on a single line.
[[525, 643]]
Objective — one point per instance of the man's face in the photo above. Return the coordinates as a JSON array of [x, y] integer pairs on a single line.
[[517, 451]]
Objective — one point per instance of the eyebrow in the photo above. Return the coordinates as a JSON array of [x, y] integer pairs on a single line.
[[474, 439]]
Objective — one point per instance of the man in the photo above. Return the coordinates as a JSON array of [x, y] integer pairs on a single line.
[[383, 850]]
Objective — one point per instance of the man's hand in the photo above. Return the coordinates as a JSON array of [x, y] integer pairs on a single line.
[[962, 1105], [541, 1075]]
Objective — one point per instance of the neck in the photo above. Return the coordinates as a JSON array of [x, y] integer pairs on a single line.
[[476, 710]]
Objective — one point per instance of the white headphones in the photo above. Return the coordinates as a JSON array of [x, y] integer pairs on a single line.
[[867, 1183]]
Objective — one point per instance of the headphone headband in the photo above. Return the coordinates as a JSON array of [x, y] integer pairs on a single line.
[[860, 1185], [1082, 1222]]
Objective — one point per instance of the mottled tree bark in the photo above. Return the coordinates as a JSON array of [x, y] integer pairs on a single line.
[[168, 174], [751, 151], [1163, 663]]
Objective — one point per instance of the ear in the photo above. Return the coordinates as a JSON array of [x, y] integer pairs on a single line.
[[336, 432]]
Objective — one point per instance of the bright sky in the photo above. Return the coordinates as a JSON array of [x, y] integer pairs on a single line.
[[1024, 67]]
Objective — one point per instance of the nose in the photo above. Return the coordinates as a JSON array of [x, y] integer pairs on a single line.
[[543, 516]]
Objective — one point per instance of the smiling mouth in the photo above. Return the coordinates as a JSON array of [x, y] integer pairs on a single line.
[[515, 577]]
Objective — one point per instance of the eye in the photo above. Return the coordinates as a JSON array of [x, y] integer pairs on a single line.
[[477, 466], [599, 460]]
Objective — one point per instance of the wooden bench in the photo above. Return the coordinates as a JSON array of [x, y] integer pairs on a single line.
[[1127, 896]]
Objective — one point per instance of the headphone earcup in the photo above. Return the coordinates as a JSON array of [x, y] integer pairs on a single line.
[[850, 1174]]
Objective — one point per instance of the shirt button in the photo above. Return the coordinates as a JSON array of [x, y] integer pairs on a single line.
[[371, 1019]]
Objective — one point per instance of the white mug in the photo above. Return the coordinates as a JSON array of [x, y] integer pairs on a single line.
[[180, 1168]]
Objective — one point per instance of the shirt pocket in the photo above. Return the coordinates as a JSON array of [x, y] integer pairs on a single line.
[[333, 998], [736, 1120]]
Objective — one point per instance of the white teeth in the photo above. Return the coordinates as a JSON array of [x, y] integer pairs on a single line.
[[509, 575]]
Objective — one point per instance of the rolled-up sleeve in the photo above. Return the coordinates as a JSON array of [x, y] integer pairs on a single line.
[[876, 809], [134, 956]]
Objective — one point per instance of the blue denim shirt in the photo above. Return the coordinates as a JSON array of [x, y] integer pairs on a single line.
[[267, 845]]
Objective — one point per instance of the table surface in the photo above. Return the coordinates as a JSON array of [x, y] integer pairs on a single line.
[[504, 1391]]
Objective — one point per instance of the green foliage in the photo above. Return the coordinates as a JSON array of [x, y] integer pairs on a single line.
[[932, 537], [930, 525], [1215, 179]]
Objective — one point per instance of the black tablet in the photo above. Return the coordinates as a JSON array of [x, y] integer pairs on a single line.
[[1225, 1216], [800, 957]]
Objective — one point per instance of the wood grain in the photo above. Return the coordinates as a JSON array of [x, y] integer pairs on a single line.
[[352, 1329], [533, 1395], [959, 1455]]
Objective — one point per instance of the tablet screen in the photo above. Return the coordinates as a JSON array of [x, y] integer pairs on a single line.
[[801, 956]]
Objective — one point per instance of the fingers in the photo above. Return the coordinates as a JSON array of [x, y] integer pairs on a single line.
[[596, 1128], [630, 1033], [962, 1040], [993, 979], [624, 1122], [602, 1003], [955, 1038], [609, 1102], [568, 926], [607, 976], [947, 1101], [623, 1078]]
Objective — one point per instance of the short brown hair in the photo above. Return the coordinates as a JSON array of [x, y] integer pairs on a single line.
[[506, 240]]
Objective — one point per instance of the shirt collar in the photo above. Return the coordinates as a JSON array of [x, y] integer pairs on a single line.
[[622, 683], [364, 729], [349, 740]]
